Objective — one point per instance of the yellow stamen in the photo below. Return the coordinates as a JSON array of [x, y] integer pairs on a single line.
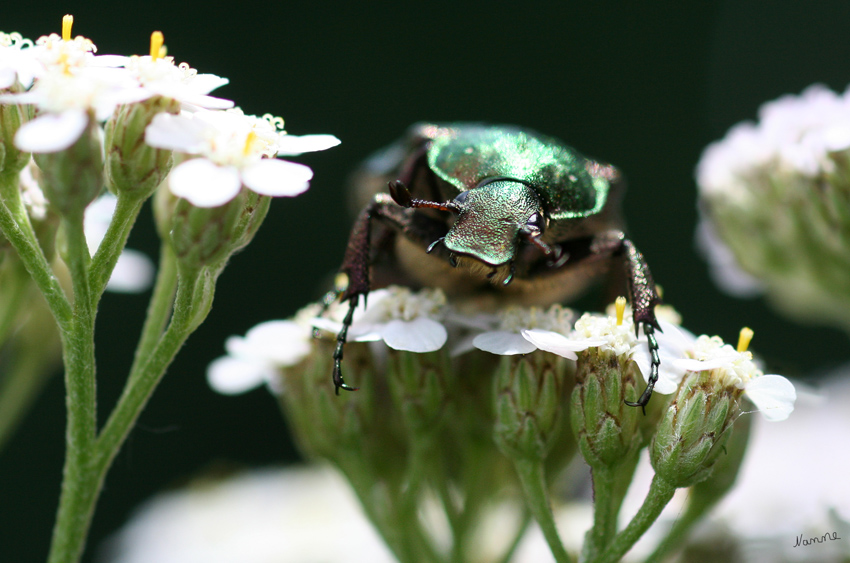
[[620, 307], [744, 338], [156, 45], [67, 24], [249, 143]]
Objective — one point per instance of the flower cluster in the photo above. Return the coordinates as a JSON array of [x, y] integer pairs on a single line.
[[74, 90], [522, 376]]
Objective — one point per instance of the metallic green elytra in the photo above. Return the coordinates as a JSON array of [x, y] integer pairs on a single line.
[[476, 209]]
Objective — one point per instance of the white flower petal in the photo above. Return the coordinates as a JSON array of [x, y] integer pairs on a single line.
[[7, 77], [232, 376], [206, 83], [51, 132], [773, 395], [419, 335], [282, 343], [175, 132], [503, 343], [204, 183], [133, 273], [688, 364], [277, 178], [558, 343], [293, 145]]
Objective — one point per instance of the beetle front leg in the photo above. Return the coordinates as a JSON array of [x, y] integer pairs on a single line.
[[357, 260], [643, 295]]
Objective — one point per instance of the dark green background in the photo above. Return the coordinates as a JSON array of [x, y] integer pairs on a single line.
[[643, 85]]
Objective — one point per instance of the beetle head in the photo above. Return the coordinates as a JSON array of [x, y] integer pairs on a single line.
[[492, 219]]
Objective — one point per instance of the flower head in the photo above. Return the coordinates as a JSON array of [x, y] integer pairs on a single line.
[[509, 339], [232, 149], [773, 395], [403, 319], [160, 76]]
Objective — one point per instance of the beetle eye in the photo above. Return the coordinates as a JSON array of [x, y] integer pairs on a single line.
[[461, 197], [535, 222]]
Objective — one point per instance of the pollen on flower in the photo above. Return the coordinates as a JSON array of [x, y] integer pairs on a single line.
[[274, 121], [404, 304], [620, 336], [556, 318], [736, 368]]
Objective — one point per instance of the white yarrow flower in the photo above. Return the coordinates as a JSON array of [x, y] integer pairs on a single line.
[[773, 395], [509, 339], [233, 150], [161, 77], [403, 319]]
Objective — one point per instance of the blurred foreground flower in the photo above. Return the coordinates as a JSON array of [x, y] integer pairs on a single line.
[[777, 194]]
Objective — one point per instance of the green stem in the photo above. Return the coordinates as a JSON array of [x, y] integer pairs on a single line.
[[660, 493], [537, 496], [15, 225], [103, 262], [604, 512], [146, 375], [679, 532], [82, 479]]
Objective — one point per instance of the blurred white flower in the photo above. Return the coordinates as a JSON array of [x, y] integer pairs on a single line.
[[233, 150], [17, 61], [134, 271], [304, 515], [256, 358]]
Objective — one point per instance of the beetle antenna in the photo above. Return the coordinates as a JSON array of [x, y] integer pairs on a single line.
[[401, 195], [434, 244]]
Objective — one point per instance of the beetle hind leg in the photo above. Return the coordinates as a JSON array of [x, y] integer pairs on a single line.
[[655, 362]]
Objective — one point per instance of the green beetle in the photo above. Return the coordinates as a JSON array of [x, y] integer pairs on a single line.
[[476, 209]]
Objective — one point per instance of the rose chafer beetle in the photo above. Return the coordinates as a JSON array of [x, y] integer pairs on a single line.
[[475, 209]]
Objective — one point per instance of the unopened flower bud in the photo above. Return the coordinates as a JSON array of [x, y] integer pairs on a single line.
[[131, 165], [72, 178], [208, 236], [530, 403], [694, 429], [607, 430], [12, 159]]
